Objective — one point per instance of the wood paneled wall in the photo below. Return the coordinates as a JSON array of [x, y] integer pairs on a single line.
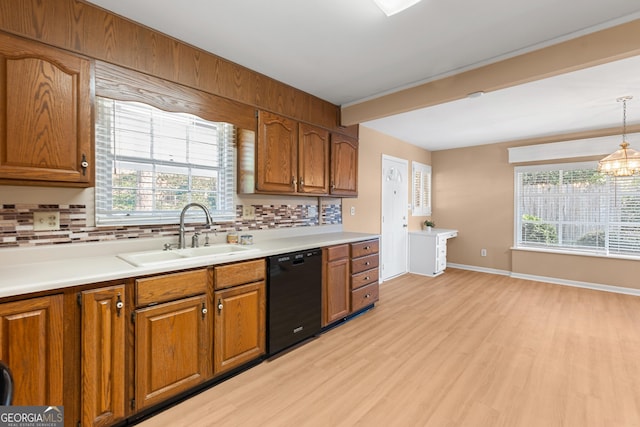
[[86, 29]]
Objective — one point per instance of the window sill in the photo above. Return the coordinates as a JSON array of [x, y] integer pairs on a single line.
[[575, 253]]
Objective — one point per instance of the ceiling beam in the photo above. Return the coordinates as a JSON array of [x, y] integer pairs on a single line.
[[593, 49]]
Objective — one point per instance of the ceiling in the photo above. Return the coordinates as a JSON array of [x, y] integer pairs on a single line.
[[348, 51]]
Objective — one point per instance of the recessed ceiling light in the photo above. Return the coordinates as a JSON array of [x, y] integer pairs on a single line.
[[391, 7]]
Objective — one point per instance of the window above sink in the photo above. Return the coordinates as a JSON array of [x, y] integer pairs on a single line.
[[150, 163]]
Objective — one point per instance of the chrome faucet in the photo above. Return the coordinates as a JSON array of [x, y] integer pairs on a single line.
[[181, 243]]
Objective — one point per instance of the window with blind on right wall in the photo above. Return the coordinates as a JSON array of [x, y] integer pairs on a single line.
[[421, 191], [572, 207]]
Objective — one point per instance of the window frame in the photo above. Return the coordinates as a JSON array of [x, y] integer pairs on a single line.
[[226, 174], [421, 207], [616, 188]]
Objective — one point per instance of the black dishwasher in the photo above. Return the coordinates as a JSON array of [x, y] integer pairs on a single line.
[[294, 298]]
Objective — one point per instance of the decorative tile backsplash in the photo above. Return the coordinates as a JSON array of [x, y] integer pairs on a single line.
[[16, 223]]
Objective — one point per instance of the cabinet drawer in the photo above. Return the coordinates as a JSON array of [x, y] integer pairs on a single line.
[[365, 278], [239, 273], [364, 263], [364, 296], [364, 248], [336, 252], [169, 287]]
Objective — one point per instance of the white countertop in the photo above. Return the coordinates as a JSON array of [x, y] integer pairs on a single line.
[[27, 270], [437, 232]]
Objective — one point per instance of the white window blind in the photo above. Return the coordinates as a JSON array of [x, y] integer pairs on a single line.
[[573, 207], [421, 194], [151, 163]]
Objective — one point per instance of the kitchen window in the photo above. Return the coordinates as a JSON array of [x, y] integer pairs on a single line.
[[573, 207], [151, 163]]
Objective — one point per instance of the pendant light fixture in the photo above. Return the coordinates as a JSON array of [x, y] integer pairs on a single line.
[[625, 161]]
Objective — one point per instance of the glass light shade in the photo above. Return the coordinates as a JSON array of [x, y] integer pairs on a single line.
[[391, 7], [624, 162]]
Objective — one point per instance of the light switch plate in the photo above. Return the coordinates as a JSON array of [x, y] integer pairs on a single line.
[[46, 221]]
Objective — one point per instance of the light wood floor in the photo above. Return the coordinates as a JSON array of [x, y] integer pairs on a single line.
[[463, 349]]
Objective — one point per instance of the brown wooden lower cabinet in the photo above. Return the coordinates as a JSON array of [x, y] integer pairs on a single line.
[[364, 273], [146, 340], [336, 293], [103, 356], [240, 325], [172, 347], [31, 333], [364, 296], [350, 279]]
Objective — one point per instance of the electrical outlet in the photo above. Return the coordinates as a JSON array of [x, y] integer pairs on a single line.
[[46, 221], [248, 212], [353, 210], [483, 252]]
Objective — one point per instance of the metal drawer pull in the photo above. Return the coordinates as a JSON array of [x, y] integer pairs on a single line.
[[219, 305], [367, 296], [204, 310], [367, 263], [366, 278], [366, 248]]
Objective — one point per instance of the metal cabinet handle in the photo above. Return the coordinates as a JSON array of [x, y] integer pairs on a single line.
[[367, 263], [367, 296], [293, 181], [366, 248], [204, 310], [220, 306], [366, 278]]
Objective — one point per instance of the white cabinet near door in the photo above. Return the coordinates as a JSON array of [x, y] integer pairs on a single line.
[[428, 251]]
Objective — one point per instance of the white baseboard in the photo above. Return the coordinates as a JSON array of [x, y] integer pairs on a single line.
[[553, 280], [479, 269]]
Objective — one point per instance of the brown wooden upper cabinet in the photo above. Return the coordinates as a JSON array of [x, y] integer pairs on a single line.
[[313, 159], [291, 157], [344, 166], [45, 114]]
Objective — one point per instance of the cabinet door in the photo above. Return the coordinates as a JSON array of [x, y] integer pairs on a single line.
[[45, 114], [344, 166], [336, 284], [240, 326], [31, 336], [313, 160], [103, 356], [276, 154], [171, 349]]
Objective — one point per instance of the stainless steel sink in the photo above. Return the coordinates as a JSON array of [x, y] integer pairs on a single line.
[[173, 257]]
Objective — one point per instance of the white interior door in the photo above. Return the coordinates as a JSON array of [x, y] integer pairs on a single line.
[[395, 173]]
